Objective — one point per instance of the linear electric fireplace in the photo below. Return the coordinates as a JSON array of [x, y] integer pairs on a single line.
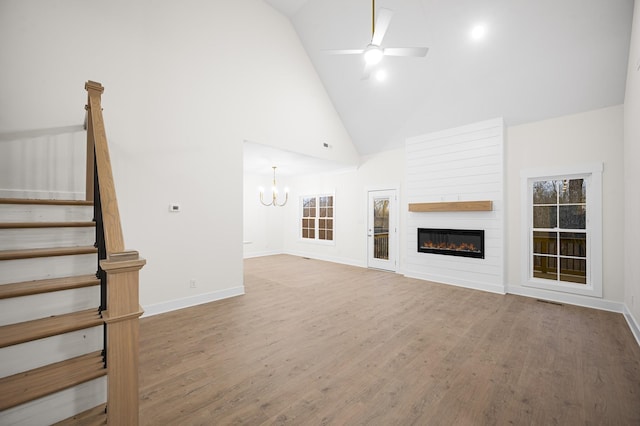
[[452, 242]]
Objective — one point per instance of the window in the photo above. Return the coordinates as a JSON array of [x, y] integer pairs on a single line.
[[560, 230], [563, 231], [317, 217]]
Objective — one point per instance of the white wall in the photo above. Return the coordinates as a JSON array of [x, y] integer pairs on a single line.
[[586, 138], [632, 176], [185, 83]]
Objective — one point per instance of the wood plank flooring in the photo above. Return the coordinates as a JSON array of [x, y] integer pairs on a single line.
[[316, 343]]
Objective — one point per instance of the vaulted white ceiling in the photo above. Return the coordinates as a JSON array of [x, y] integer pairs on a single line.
[[539, 59]]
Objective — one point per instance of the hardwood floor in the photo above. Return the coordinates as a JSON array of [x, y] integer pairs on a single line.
[[316, 343]]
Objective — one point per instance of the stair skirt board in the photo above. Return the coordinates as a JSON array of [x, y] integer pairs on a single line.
[[58, 406], [27, 308], [18, 239], [38, 353], [19, 270], [44, 213]]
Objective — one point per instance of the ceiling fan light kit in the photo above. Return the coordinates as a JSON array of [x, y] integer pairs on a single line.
[[374, 53]]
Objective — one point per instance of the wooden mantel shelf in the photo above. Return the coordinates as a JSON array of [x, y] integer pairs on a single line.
[[452, 206]]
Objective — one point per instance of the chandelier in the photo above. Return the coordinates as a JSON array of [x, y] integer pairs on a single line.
[[274, 196]]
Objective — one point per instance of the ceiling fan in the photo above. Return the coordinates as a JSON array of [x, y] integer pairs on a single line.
[[374, 53]]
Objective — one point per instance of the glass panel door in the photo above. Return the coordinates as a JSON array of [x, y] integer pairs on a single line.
[[382, 229]]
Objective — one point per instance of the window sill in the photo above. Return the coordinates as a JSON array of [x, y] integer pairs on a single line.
[[564, 287]]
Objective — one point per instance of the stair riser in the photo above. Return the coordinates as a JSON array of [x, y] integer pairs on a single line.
[[49, 267], [58, 406], [38, 353], [39, 213], [27, 308], [16, 239]]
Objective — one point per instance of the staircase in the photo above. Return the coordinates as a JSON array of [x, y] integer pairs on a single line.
[[49, 292], [67, 287]]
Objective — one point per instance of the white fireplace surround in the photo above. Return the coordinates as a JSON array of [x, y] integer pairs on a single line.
[[461, 164]]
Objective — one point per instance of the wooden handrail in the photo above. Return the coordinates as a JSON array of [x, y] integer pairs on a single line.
[[120, 270], [91, 157], [96, 135]]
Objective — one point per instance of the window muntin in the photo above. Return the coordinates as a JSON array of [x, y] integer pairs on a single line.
[[317, 221], [559, 230]]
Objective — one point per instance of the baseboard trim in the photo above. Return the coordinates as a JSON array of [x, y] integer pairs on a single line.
[[633, 323], [491, 288], [41, 195], [571, 299], [187, 302], [261, 254], [340, 260]]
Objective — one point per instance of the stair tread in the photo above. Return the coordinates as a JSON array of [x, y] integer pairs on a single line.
[[19, 225], [45, 202], [46, 252], [14, 334], [28, 288], [95, 416], [39, 382]]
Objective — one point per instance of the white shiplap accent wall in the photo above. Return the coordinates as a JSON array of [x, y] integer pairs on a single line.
[[461, 164]]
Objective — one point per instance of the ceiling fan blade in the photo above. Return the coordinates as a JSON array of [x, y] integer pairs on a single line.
[[344, 51], [406, 51], [367, 71], [383, 19]]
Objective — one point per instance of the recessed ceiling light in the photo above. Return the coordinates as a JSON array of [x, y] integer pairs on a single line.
[[381, 75], [478, 32]]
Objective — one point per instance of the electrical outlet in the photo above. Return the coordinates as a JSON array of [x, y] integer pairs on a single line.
[[192, 283]]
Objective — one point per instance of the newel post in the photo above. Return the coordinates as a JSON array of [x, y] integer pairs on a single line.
[[121, 317]]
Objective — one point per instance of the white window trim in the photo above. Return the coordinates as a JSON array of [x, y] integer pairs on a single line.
[[316, 240], [594, 228]]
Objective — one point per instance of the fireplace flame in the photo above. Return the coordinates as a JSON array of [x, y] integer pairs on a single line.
[[450, 246]]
